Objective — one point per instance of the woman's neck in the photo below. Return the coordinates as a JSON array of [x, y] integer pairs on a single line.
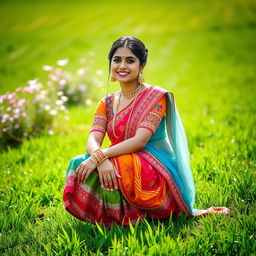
[[127, 88]]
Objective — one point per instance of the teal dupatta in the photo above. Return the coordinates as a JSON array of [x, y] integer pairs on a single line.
[[169, 145]]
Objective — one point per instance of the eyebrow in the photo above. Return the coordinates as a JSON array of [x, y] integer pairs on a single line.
[[128, 57]]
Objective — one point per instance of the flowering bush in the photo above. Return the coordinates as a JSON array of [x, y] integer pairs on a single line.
[[74, 86], [29, 111]]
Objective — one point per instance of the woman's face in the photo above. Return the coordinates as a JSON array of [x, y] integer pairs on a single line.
[[125, 66]]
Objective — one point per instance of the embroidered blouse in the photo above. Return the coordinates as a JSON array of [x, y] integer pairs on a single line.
[[104, 113]]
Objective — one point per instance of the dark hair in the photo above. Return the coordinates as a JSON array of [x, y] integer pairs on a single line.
[[134, 44]]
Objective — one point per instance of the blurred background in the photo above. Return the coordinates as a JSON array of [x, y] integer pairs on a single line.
[[203, 51], [189, 42]]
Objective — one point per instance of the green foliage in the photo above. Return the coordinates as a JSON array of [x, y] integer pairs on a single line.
[[202, 51]]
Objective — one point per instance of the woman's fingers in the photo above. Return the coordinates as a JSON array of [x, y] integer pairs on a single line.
[[101, 180], [78, 173], [116, 173], [113, 176], [87, 175], [84, 175], [110, 182]]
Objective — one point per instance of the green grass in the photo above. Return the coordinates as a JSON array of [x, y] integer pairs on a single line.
[[202, 51]]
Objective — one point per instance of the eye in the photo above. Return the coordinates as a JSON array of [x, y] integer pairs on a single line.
[[130, 61], [116, 60]]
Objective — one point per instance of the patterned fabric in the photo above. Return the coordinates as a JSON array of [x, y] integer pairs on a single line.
[[155, 182], [153, 118]]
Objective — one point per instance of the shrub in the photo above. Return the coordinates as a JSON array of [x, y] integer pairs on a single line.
[[29, 111]]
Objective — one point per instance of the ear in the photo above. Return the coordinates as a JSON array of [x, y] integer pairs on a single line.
[[142, 66]]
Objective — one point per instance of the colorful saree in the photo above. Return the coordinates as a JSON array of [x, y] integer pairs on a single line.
[[155, 182]]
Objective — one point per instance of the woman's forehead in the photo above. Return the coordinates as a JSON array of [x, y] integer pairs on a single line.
[[124, 52]]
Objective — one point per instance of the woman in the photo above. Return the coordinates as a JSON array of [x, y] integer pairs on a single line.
[[146, 170]]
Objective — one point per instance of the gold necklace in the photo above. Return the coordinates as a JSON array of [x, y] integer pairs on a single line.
[[129, 95]]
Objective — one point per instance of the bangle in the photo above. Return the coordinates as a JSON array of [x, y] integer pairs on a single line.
[[103, 159], [93, 159], [99, 155]]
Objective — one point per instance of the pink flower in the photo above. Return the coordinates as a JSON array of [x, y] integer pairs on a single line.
[[21, 102], [5, 97], [53, 77], [24, 114], [16, 126], [28, 90], [12, 101], [62, 82], [57, 71], [5, 129]]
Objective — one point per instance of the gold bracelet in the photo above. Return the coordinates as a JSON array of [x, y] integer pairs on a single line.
[[93, 158], [102, 160]]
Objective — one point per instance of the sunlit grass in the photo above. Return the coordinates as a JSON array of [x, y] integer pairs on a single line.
[[201, 51]]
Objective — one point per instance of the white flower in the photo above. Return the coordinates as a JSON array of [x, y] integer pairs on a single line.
[[49, 83], [5, 129], [83, 60], [59, 102], [91, 53], [53, 112], [99, 72], [16, 111], [16, 126], [80, 71], [63, 62], [59, 93], [8, 109], [66, 118], [50, 132], [64, 98], [47, 68], [88, 102], [33, 82], [82, 87], [62, 82], [47, 107], [6, 116], [62, 108]]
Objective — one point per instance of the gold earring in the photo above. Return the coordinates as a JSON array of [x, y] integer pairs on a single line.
[[113, 79], [141, 78]]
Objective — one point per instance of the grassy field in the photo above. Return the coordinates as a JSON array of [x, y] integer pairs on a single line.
[[203, 51]]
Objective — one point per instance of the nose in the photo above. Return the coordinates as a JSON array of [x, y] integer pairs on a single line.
[[122, 64]]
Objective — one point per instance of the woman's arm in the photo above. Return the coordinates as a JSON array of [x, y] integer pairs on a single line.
[[94, 141], [134, 144]]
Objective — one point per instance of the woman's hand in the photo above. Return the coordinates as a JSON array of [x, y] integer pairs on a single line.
[[107, 175], [84, 169]]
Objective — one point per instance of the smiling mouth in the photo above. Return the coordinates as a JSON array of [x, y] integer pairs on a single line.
[[122, 74]]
